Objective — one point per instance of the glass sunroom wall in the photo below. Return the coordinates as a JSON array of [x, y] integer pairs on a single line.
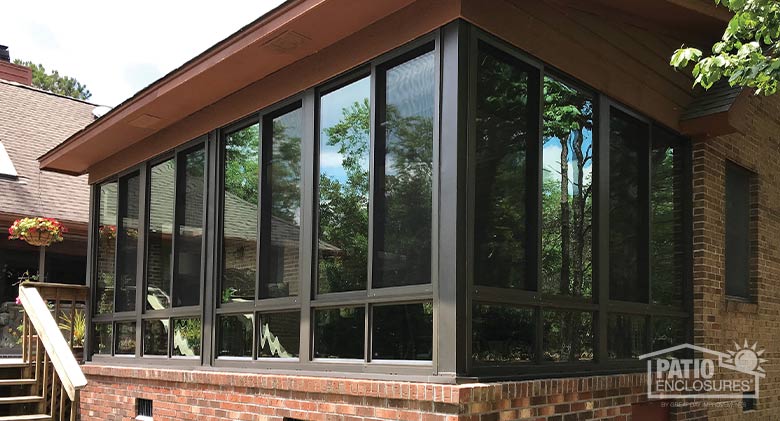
[[553, 163]]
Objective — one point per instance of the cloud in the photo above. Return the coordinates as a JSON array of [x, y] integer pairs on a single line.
[[118, 48]]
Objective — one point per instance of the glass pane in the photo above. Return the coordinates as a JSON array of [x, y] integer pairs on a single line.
[[282, 229], [502, 333], [239, 240], [567, 193], [626, 336], [502, 126], [106, 248], [403, 332], [668, 332], [125, 338], [102, 338], [343, 211], [627, 208], [156, 337], [404, 166], [667, 235], [339, 333], [159, 257], [235, 335], [738, 237], [189, 228], [127, 243], [280, 335], [186, 337], [568, 336]]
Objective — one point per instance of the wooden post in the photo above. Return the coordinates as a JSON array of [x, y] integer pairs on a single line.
[[42, 264]]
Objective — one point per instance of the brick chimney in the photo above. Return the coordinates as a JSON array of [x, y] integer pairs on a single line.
[[13, 72]]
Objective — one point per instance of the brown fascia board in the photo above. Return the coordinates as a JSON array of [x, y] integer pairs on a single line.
[[196, 84]]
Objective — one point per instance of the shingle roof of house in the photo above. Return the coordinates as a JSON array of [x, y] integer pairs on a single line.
[[717, 99], [33, 121]]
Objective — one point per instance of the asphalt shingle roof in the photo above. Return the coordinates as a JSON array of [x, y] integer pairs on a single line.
[[32, 122]]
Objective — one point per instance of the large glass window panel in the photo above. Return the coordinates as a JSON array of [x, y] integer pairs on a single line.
[[568, 336], [106, 248], [125, 338], [102, 338], [567, 193], [503, 125], [156, 337], [159, 245], [186, 337], [404, 174], [502, 333], [239, 236], [281, 223], [339, 332], [235, 335], [626, 336], [345, 122], [189, 228], [402, 332], [127, 243], [627, 207], [280, 335], [668, 332], [667, 234]]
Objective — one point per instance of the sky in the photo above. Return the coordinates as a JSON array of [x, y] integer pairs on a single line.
[[118, 48]]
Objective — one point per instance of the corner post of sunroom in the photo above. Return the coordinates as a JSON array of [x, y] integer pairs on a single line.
[[452, 326]]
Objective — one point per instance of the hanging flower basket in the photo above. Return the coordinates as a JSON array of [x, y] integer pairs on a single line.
[[39, 232]]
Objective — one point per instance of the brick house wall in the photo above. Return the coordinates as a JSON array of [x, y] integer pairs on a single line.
[[719, 320], [177, 395]]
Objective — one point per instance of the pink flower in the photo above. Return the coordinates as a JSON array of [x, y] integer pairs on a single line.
[[18, 301]]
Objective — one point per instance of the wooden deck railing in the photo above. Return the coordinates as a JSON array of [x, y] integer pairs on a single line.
[[50, 309]]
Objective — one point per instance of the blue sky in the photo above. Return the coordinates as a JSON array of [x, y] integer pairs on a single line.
[[118, 48]]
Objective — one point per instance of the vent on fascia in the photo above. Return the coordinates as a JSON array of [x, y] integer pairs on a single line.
[[286, 42], [7, 169]]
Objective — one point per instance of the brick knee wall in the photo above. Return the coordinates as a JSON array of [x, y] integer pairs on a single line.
[[219, 396]]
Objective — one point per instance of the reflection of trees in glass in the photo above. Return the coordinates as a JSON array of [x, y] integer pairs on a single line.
[[502, 333], [404, 237], [567, 191], [568, 335], [280, 216], [343, 210], [106, 249], [666, 235], [242, 149], [502, 120]]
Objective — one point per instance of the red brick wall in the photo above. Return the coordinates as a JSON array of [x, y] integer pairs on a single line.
[[211, 396], [718, 320]]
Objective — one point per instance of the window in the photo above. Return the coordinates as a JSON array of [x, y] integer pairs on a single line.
[[127, 243], [343, 188], [397, 233], [738, 231], [261, 237], [106, 248], [537, 297], [505, 132], [404, 173]]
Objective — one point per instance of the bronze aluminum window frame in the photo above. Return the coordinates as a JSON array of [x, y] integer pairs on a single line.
[[599, 305]]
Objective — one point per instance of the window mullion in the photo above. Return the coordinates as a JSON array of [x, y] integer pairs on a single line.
[[143, 216], [309, 235]]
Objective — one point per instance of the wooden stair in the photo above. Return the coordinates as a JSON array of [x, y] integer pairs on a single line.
[[17, 399]]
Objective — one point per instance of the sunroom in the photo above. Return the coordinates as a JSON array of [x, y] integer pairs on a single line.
[[453, 208]]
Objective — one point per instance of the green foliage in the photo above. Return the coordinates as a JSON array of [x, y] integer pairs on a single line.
[[54, 82], [747, 54]]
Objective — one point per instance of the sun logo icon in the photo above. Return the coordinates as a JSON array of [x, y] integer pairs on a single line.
[[746, 358]]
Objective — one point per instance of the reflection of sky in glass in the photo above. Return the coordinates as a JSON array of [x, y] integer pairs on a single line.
[[332, 107], [287, 130], [551, 158], [410, 92]]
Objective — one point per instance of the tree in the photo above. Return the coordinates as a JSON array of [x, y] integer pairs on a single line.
[[54, 82], [748, 53]]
